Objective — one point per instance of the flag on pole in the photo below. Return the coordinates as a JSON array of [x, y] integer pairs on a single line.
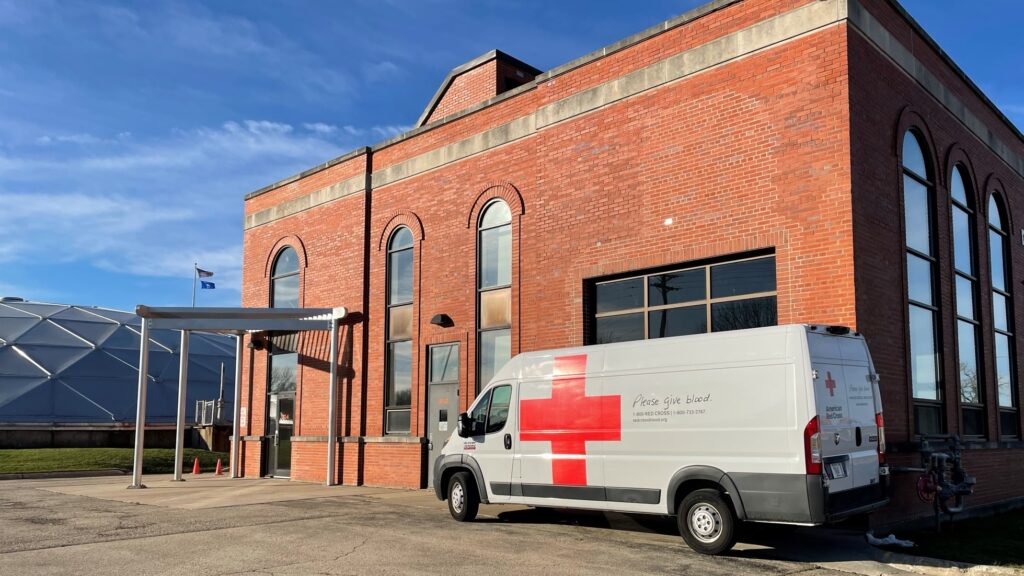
[[203, 273], [207, 285]]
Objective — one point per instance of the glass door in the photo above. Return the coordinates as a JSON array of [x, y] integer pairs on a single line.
[[280, 426]]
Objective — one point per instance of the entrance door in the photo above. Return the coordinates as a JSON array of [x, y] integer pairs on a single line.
[[280, 425], [442, 400]]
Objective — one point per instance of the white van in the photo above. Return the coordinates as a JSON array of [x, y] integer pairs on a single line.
[[780, 424]]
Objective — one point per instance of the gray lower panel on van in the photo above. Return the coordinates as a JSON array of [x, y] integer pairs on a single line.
[[779, 497], [801, 498]]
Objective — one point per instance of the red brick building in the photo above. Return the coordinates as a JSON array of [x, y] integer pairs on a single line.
[[750, 162]]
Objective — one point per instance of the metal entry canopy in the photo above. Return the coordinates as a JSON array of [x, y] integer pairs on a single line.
[[237, 321]]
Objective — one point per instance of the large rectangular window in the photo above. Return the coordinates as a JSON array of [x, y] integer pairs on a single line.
[[691, 300]]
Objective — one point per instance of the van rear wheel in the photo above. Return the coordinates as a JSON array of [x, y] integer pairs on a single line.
[[463, 501], [706, 522]]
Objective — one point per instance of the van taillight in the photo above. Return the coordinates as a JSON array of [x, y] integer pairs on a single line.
[[880, 422], [812, 446]]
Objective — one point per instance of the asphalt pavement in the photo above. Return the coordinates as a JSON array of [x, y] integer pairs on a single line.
[[217, 526]]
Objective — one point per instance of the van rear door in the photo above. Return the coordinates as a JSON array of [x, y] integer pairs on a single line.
[[845, 401]]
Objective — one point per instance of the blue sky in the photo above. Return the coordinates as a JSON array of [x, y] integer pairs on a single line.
[[129, 132]]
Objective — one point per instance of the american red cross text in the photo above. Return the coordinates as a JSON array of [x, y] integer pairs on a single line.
[[569, 419]]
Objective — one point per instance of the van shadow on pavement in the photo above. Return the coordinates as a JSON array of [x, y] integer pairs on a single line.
[[754, 541]]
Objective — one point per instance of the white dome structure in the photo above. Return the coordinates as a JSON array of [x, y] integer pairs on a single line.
[[63, 365]]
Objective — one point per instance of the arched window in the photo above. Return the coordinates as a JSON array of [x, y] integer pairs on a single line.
[[283, 365], [922, 303], [284, 280], [1002, 315], [965, 288], [398, 352], [494, 290]]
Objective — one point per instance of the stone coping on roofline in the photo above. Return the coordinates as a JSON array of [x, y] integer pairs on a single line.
[[627, 42]]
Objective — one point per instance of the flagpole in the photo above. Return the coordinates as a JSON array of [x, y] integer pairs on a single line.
[[195, 274]]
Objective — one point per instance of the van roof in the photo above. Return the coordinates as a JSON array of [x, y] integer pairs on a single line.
[[771, 341]]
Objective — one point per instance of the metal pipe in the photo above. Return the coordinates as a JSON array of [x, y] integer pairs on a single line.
[[179, 441], [332, 406], [140, 409], [236, 426]]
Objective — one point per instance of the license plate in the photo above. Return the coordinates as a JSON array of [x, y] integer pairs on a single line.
[[837, 469]]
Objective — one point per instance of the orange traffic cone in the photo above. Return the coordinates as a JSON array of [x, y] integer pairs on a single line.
[[219, 471], [195, 467]]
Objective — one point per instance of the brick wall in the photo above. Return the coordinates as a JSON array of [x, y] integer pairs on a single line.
[[466, 89], [752, 154], [884, 103], [309, 460], [390, 464], [251, 459], [734, 156]]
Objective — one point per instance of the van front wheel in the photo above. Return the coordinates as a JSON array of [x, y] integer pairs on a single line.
[[463, 501], [706, 522]]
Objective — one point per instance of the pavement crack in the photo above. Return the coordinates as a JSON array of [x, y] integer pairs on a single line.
[[354, 548]]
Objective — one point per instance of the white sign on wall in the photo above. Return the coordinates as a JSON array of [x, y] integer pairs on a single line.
[[243, 414]]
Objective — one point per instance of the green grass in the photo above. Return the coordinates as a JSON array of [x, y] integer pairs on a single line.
[[156, 461], [996, 540]]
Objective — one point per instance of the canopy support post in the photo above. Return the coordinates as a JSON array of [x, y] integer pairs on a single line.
[[236, 425], [179, 442], [332, 406], [140, 409]]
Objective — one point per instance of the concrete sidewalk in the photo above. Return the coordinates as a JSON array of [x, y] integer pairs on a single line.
[[219, 503]]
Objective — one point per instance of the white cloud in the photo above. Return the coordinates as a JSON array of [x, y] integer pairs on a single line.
[[67, 226], [150, 207], [390, 131], [232, 143], [260, 127], [321, 128], [71, 139], [382, 131]]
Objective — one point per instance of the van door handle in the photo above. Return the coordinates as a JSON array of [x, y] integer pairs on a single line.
[[508, 441]]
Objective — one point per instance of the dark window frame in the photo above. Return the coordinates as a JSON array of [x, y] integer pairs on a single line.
[[967, 207], [275, 276], [1002, 230], [487, 404], [480, 290], [273, 350], [591, 315], [430, 362], [925, 180], [389, 385]]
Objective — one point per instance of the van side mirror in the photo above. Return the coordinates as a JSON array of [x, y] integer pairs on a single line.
[[469, 427], [465, 429]]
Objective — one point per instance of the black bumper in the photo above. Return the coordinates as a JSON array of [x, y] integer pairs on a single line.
[[840, 505]]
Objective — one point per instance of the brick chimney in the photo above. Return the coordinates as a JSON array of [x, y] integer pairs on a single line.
[[480, 79]]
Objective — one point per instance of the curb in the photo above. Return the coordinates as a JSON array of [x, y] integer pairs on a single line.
[[939, 567], [61, 474]]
